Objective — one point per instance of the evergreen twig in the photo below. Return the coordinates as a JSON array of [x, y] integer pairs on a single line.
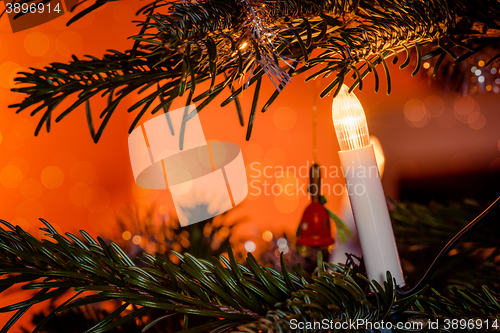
[[181, 45], [236, 297]]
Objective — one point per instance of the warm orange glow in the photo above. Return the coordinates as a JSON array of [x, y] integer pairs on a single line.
[[349, 120], [137, 239], [11, 176], [267, 236], [52, 177], [379, 154]]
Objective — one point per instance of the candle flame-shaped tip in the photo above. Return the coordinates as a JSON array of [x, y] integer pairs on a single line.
[[349, 121]]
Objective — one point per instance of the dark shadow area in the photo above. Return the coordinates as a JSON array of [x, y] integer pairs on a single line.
[[483, 187]]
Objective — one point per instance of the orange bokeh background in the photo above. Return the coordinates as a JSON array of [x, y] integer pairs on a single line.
[[65, 178]]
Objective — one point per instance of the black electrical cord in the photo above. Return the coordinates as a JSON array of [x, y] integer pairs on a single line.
[[427, 276]]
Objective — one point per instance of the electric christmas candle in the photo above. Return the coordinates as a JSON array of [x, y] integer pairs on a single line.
[[364, 187]]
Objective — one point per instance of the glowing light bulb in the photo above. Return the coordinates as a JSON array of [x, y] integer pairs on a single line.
[[350, 121]]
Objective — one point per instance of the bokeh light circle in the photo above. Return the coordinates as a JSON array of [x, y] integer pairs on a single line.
[[463, 106], [284, 118], [267, 236], [126, 235], [185, 186], [31, 189], [11, 176], [250, 246], [414, 110], [52, 177], [284, 205], [22, 222], [36, 43], [476, 120], [22, 164], [137, 240], [31, 210], [416, 113], [8, 71]]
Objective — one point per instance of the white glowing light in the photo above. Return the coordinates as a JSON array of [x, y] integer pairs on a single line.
[[250, 246], [369, 207], [473, 69], [349, 120], [281, 242], [481, 79], [477, 72], [493, 71]]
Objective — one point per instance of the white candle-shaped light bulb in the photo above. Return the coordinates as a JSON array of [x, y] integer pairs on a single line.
[[364, 187], [350, 121]]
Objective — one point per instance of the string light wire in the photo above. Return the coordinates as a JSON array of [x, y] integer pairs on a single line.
[[435, 264]]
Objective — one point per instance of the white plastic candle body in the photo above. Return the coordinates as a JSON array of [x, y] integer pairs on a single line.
[[371, 214]]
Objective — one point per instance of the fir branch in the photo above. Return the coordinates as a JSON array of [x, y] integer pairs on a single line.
[[181, 45], [239, 298], [422, 230]]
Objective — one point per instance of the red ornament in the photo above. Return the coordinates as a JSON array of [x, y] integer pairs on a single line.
[[314, 228]]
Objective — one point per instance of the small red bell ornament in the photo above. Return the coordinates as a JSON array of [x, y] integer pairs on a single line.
[[314, 232]]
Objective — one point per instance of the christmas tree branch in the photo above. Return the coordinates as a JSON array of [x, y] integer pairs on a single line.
[[423, 230], [248, 299], [182, 45]]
